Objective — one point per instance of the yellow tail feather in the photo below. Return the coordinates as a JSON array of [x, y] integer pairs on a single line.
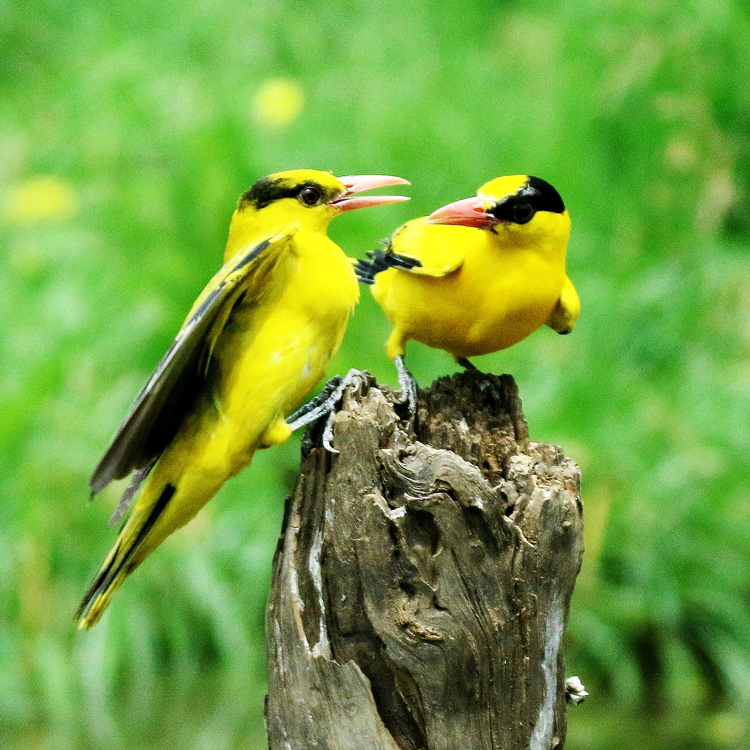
[[120, 563]]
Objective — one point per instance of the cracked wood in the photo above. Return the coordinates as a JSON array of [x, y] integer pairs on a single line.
[[423, 578]]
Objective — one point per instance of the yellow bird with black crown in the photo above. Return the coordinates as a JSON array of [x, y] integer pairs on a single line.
[[257, 340], [477, 275]]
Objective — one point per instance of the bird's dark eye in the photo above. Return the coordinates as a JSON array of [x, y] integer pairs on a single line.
[[523, 213], [310, 195]]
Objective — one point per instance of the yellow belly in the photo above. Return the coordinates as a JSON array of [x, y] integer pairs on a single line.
[[269, 358], [265, 361], [481, 307]]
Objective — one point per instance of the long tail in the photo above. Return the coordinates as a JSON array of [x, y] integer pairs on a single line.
[[122, 560]]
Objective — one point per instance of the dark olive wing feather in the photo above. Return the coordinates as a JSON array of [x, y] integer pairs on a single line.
[[160, 407], [380, 260]]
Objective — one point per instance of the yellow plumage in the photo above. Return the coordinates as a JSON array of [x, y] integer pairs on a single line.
[[258, 339], [483, 281]]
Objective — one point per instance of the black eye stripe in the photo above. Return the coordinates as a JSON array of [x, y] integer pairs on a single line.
[[542, 196], [537, 193], [507, 209], [268, 190]]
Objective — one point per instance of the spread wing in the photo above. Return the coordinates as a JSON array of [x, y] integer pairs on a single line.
[[160, 407], [419, 248]]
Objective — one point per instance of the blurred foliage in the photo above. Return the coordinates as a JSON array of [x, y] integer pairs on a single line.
[[127, 133]]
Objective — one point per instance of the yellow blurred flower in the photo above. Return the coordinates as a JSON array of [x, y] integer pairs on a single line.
[[278, 102], [40, 199]]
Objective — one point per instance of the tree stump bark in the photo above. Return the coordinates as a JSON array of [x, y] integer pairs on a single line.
[[423, 577]]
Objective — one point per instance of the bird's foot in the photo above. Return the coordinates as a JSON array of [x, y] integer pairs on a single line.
[[315, 407], [324, 404], [575, 692], [408, 386], [467, 364]]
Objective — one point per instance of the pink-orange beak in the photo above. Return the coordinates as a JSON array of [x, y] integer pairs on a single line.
[[358, 183], [469, 212]]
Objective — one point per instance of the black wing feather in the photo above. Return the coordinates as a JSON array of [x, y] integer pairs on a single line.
[[160, 407], [380, 260]]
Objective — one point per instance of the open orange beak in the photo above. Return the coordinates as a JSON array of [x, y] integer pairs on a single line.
[[358, 183], [469, 212]]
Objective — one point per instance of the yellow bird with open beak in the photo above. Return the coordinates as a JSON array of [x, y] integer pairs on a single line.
[[257, 340]]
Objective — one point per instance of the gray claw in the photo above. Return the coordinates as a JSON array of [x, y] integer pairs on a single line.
[[324, 404], [575, 692], [328, 435]]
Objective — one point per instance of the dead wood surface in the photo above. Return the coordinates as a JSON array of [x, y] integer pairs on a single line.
[[423, 578]]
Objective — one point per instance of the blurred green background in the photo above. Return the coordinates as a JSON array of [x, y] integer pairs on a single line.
[[127, 132]]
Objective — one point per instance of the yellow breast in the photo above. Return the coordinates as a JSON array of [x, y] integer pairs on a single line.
[[499, 295], [271, 355]]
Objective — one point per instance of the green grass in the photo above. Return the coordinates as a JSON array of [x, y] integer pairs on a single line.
[[145, 111]]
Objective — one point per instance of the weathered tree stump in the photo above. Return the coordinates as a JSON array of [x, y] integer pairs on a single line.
[[422, 581]]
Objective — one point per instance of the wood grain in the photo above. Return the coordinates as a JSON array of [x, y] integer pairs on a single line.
[[423, 578]]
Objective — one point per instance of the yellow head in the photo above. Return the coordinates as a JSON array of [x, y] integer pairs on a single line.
[[521, 208], [307, 196]]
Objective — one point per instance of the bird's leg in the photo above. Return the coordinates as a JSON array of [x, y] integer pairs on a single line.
[[408, 384], [467, 364], [324, 404], [318, 406]]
